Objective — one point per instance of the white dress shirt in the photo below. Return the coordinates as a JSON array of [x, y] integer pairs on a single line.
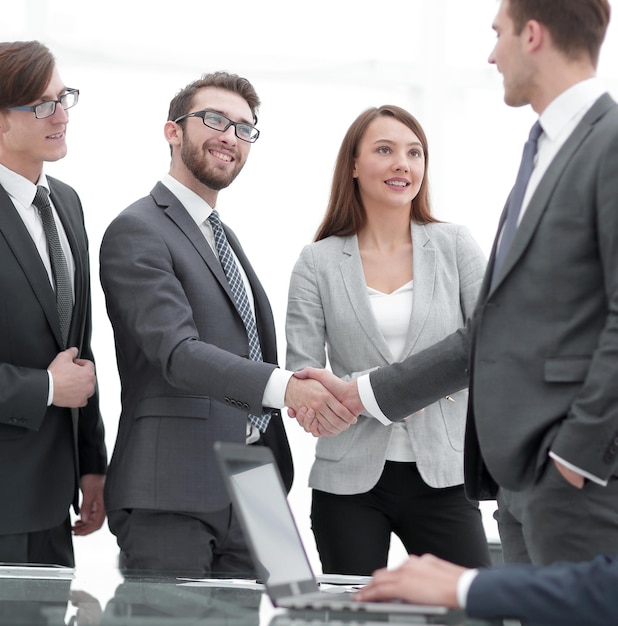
[[393, 312]]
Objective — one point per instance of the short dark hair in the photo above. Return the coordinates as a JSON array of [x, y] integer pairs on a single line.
[[26, 68], [576, 26], [345, 214], [182, 101]]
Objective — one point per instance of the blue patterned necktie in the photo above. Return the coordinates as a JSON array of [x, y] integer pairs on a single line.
[[242, 302], [517, 196], [60, 270]]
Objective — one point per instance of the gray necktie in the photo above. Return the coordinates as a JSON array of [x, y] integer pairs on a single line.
[[242, 302], [60, 270], [517, 196]]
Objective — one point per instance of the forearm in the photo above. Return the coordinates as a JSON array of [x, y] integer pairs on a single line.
[[423, 378]]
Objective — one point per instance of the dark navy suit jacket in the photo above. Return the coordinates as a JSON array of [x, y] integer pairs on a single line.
[[562, 594]]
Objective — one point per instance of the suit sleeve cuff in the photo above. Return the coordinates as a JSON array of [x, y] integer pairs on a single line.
[[50, 393], [274, 392], [578, 470], [369, 401], [463, 586]]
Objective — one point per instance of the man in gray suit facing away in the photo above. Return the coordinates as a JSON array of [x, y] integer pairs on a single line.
[[540, 353], [195, 346]]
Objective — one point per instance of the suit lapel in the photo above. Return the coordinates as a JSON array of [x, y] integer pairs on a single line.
[[19, 240], [263, 312], [354, 281], [541, 197], [179, 215], [424, 263]]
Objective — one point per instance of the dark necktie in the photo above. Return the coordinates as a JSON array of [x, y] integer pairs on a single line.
[[242, 302], [60, 270], [517, 196]]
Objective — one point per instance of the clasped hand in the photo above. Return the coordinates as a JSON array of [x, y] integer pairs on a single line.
[[322, 404]]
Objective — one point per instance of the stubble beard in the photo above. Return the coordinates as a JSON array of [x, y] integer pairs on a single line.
[[195, 161]]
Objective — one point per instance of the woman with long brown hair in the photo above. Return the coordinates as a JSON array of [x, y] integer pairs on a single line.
[[383, 279]]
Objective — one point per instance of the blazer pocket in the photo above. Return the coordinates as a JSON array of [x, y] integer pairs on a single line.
[[567, 369], [8, 433], [335, 448]]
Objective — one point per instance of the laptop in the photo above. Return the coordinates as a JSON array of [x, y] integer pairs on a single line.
[[261, 505]]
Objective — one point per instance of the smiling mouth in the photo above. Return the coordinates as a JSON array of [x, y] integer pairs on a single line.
[[397, 183], [56, 136], [221, 156]]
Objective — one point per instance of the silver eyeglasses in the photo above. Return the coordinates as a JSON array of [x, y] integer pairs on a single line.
[[218, 121], [48, 108]]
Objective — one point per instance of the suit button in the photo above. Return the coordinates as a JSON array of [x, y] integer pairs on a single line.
[[245, 406], [13, 420]]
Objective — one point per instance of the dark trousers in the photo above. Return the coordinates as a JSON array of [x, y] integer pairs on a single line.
[[52, 546], [353, 532], [181, 544], [553, 521]]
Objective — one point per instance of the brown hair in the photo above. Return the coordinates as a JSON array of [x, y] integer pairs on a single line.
[[26, 68], [576, 26], [182, 101], [345, 214]]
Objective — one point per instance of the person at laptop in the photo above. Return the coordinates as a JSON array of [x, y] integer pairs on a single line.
[[561, 594]]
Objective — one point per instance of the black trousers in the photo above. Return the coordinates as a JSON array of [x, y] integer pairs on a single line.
[[353, 532], [52, 545], [174, 543]]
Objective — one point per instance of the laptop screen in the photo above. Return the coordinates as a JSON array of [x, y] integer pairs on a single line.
[[261, 503]]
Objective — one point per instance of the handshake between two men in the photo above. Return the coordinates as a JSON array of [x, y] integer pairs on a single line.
[[322, 404]]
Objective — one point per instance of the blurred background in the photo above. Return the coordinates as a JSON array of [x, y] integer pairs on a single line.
[[315, 66]]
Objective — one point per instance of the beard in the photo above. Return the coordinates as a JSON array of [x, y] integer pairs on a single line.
[[194, 159]]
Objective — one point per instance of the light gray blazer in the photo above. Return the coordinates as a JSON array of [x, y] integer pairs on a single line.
[[329, 316]]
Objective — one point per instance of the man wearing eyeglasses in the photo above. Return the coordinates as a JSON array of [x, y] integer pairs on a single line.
[[195, 346], [51, 433]]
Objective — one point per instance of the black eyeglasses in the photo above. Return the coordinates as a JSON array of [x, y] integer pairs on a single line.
[[48, 108], [218, 121]]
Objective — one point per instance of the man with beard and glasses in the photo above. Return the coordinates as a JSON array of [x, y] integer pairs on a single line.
[[195, 346]]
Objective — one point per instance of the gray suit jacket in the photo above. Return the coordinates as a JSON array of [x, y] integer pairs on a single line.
[[329, 312], [43, 450], [543, 341], [182, 354]]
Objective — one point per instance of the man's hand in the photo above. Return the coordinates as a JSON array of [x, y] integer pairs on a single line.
[[74, 379], [92, 509], [420, 580], [345, 392], [325, 415], [573, 478]]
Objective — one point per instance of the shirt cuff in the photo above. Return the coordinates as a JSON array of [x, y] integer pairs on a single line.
[[581, 472], [463, 586], [274, 392], [369, 401], [50, 393]]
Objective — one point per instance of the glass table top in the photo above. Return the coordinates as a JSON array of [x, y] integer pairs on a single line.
[[160, 601]]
